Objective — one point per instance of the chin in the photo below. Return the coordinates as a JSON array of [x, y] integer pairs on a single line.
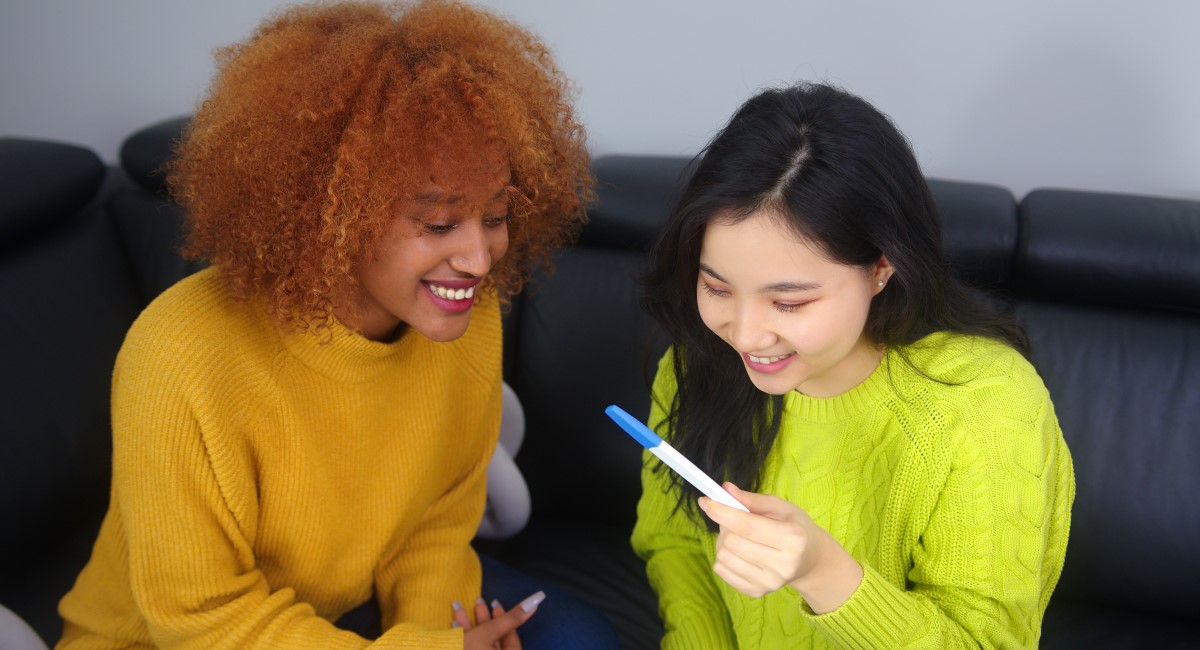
[[774, 386], [443, 333]]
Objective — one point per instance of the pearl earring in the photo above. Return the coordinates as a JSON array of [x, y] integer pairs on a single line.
[[881, 283]]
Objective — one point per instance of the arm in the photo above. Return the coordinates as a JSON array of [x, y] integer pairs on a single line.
[[673, 547], [436, 564], [989, 556], [981, 573]]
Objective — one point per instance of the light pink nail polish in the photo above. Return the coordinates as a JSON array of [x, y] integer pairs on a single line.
[[531, 603]]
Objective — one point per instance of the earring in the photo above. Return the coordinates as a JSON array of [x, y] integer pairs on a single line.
[[881, 283]]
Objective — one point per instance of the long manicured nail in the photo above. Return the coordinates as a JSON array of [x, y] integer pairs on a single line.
[[480, 601], [531, 603], [454, 624], [457, 606], [495, 605]]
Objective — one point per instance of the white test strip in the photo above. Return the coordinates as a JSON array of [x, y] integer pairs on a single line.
[[673, 459]]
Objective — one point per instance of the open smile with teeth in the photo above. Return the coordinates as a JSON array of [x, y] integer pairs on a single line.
[[451, 294], [765, 360]]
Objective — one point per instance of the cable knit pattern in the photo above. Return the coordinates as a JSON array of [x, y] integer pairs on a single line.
[[953, 494], [265, 482]]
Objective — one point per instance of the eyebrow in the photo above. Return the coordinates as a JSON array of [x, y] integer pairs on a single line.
[[774, 287]]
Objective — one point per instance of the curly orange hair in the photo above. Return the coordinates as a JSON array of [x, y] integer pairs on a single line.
[[314, 127]]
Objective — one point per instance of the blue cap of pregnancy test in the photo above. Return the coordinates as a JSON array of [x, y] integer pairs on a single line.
[[633, 427]]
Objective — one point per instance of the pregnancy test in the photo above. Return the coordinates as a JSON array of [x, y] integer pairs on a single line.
[[675, 460]]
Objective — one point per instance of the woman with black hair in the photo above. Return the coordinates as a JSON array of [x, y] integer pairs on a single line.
[[907, 481]]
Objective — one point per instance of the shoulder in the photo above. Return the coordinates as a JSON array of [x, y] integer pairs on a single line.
[[665, 381], [995, 398], [973, 367], [193, 325]]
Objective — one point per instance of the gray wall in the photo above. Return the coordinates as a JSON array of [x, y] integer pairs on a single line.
[[1092, 94]]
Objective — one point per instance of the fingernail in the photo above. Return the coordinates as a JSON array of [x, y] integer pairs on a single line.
[[531, 603], [479, 601], [457, 606], [454, 624], [495, 604], [703, 504]]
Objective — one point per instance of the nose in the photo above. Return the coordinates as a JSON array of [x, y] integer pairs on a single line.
[[473, 255], [748, 331]]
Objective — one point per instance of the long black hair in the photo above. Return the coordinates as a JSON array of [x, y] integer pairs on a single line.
[[845, 179]]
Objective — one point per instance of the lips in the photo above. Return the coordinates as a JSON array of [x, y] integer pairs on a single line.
[[453, 296], [768, 365]]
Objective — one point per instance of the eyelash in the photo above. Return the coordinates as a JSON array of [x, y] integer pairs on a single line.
[[445, 228], [785, 307]]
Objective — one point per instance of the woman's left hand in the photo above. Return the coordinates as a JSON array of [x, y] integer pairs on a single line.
[[778, 544]]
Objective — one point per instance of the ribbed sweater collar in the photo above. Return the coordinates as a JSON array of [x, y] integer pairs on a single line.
[[826, 410], [346, 356]]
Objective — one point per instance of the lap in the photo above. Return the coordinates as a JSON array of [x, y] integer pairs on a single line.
[[562, 622]]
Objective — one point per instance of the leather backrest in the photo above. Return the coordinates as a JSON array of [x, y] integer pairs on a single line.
[[1118, 250], [68, 299], [1112, 286]]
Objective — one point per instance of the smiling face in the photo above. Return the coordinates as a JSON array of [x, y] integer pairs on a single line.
[[425, 271], [795, 317]]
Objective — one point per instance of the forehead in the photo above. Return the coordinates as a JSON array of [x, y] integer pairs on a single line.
[[762, 248], [473, 181]]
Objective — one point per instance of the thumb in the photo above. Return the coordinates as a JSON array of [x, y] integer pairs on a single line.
[[501, 626]]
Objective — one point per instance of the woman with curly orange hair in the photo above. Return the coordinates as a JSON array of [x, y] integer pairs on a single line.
[[303, 429]]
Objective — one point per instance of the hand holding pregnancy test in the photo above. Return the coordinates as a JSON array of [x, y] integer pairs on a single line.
[[675, 460]]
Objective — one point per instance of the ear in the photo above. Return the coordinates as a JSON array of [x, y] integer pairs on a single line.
[[880, 273]]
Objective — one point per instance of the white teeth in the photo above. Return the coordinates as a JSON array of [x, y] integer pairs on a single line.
[[755, 359], [452, 294]]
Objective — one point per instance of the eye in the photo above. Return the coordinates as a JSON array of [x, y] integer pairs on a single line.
[[787, 307], [713, 291], [437, 228], [496, 221]]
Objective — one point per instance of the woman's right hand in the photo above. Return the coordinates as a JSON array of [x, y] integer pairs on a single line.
[[495, 629]]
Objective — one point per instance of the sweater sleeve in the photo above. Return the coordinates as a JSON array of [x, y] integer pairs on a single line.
[[437, 564], [673, 547], [193, 573], [992, 550]]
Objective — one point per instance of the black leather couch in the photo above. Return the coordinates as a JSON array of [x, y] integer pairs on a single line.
[[1107, 285]]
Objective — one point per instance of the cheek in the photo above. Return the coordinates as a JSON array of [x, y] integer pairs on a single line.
[[499, 244], [708, 311]]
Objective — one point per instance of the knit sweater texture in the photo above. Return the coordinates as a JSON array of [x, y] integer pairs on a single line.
[[946, 476], [267, 481]]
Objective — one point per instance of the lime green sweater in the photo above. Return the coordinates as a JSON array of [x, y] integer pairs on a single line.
[[264, 482], [955, 497]]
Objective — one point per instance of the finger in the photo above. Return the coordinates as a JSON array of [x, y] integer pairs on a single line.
[[746, 577], [497, 628], [776, 550], [767, 505], [747, 524], [509, 641], [460, 618], [481, 611]]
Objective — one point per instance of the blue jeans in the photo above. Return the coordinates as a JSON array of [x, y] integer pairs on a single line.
[[562, 622]]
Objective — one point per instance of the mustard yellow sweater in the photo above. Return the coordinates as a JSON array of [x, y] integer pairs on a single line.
[[954, 497], [265, 483]]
